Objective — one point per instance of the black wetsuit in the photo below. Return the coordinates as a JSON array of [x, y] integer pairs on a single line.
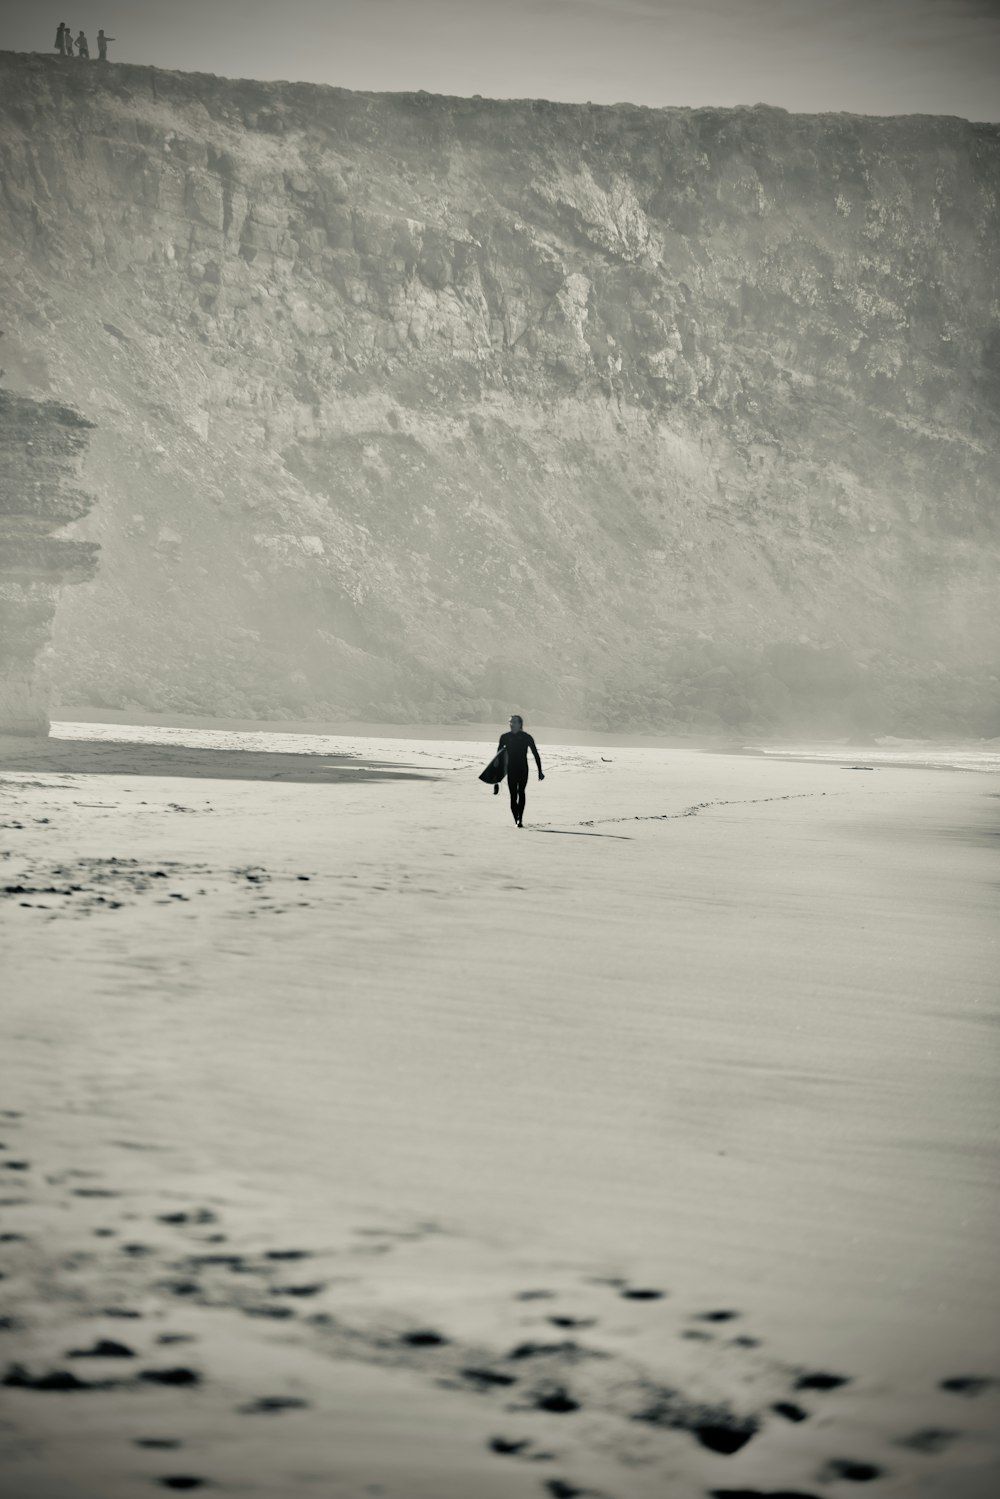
[[517, 743]]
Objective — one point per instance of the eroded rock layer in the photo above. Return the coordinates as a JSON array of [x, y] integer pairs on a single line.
[[41, 445], [418, 407]]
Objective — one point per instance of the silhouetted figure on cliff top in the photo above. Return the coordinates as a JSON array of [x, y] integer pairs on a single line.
[[64, 40], [517, 744], [82, 46], [102, 45]]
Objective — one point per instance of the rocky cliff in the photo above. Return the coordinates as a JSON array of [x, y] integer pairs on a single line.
[[418, 407], [41, 448]]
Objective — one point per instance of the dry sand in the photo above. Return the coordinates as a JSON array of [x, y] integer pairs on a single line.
[[358, 1143]]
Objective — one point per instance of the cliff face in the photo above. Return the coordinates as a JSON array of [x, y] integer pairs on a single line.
[[41, 445], [419, 407]]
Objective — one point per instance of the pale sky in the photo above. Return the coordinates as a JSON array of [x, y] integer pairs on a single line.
[[868, 56]]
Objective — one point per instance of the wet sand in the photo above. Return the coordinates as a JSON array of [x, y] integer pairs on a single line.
[[357, 1142]]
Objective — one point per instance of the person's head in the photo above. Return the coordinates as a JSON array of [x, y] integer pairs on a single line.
[[516, 722]]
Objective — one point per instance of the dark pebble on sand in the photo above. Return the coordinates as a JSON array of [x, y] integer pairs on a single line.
[[821, 1381], [640, 1293], [176, 1376], [94, 1192], [278, 1313], [724, 1316], [18, 1378], [930, 1439], [271, 1404], [560, 1489], [182, 1481], [197, 1215], [286, 1254], [167, 1338], [571, 1322], [849, 1469], [12, 1239], [507, 1448], [966, 1384], [121, 1311], [488, 1377], [103, 1348], [723, 1436], [158, 1444], [559, 1401], [312, 1290], [18, 1165], [183, 1287], [790, 1410], [760, 1494], [423, 1338]]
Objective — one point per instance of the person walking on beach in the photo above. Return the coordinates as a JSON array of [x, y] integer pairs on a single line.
[[62, 38], [102, 45], [82, 45], [517, 743]]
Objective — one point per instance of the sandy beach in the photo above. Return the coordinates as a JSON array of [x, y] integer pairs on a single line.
[[358, 1143]]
